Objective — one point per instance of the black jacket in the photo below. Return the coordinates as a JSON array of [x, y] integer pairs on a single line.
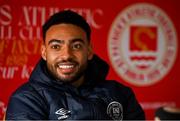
[[45, 98]]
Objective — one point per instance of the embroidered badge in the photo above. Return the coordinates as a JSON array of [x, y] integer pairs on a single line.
[[115, 110]]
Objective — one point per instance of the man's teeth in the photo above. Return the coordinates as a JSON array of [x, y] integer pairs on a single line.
[[66, 66]]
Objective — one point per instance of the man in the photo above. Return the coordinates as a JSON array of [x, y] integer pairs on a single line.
[[69, 81]]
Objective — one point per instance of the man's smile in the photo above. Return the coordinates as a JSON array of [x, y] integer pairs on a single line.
[[67, 68]]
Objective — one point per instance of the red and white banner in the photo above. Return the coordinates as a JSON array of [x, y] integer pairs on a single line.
[[138, 39]]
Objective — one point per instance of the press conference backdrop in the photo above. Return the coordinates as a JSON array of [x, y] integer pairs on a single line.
[[138, 39]]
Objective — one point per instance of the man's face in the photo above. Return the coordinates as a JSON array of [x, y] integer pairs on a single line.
[[66, 51]]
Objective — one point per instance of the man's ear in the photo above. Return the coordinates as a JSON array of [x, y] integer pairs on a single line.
[[90, 52], [43, 51]]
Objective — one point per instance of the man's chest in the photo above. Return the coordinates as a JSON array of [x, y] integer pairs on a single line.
[[97, 105]]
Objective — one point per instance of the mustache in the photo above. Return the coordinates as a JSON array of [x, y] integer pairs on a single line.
[[69, 61]]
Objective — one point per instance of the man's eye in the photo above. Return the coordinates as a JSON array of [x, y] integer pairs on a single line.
[[55, 47], [76, 46]]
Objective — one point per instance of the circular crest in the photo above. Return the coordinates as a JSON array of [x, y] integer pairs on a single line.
[[142, 44], [115, 110]]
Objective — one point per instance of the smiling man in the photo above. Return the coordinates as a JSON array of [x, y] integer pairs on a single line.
[[66, 51], [69, 82]]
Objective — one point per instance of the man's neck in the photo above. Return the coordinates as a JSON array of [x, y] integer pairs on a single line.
[[79, 82]]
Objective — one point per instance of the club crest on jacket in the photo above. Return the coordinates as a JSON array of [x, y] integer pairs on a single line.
[[115, 110]]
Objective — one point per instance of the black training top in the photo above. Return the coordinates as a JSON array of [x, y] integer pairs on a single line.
[[44, 98]]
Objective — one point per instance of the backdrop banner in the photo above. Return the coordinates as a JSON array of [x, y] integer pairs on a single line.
[[137, 38]]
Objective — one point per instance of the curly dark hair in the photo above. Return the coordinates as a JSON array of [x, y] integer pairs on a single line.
[[69, 17]]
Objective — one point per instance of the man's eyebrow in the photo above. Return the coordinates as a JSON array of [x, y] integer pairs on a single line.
[[62, 41], [78, 40], [55, 40]]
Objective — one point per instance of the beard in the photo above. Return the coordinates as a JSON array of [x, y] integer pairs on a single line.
[[67, 77]]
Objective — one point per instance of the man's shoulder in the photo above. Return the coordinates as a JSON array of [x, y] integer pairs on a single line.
[[25, 89], [26, 94], [115, 86]]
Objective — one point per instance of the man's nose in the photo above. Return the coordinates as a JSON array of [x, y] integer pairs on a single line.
[[66, 53]]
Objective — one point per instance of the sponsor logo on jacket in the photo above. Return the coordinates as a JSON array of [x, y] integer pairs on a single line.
[[62, 113]]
